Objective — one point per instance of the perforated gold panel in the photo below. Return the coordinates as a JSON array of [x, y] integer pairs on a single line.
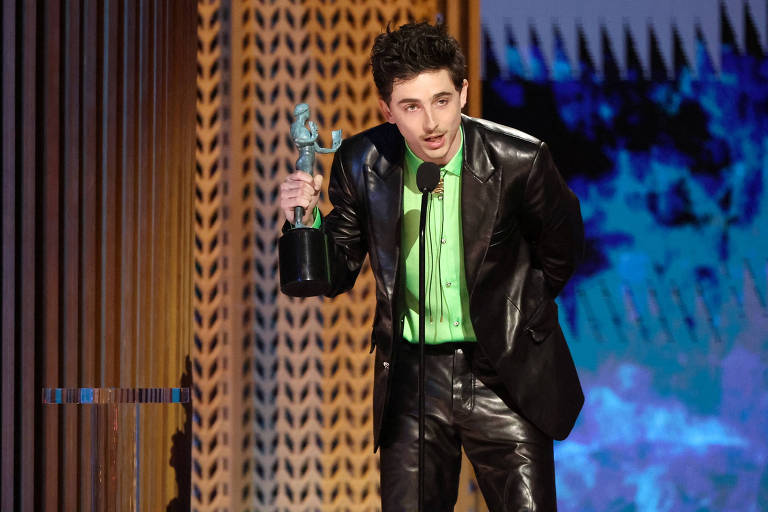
[[210, 427], [283, 386]]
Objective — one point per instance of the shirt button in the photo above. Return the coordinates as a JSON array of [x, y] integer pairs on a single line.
[[448, 284], [456, 323], [442, 241]]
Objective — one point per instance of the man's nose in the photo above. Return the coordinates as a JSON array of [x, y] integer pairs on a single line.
[[430, 123]]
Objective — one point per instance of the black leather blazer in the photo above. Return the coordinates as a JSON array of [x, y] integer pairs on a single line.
[[522, 238]]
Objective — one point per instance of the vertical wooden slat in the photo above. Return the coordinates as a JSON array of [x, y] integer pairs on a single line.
[[165, 488], [145, 211], [129, 296], [128, 157], [144, 242], [178, 26], [146, 246], [50, 245], [70, 263], [159, 288], [111, 172], [89, 218], [9, 246], [180, 46], [27, 258], [89, 313], [165, 184]]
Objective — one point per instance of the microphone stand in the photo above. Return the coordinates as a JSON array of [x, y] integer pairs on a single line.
[[422, 400], [427, 178]]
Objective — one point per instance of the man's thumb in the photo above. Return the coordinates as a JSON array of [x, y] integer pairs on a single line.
[[318, 181]]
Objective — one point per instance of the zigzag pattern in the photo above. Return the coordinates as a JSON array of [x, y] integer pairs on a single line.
[[210, 475], [656, 35], [270, 72], [282, 387], [303, 436], [680, 314]]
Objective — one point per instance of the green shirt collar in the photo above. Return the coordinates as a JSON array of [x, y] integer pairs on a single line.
[[412, 162]]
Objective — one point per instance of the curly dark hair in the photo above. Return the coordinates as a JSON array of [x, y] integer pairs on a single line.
[[411, 50]]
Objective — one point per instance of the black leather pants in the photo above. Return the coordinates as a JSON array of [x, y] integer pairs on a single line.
[[513, 460]]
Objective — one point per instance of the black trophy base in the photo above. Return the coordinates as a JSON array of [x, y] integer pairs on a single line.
[[304, 265]]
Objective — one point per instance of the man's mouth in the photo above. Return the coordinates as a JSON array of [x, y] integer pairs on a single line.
[[434, 141]]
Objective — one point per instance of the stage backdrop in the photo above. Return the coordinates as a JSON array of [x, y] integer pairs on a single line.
[[656, 113]]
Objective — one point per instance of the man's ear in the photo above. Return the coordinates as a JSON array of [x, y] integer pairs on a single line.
[[385, 111], [463, 93]]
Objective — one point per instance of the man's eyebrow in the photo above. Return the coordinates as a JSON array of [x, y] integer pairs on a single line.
[[434, 97]]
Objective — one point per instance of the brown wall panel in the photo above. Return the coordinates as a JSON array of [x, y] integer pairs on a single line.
[[8, 259], [48, 140], [89, 302], [98, 104], [27, 152]]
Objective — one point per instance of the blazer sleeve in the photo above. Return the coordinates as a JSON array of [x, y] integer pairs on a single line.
[[552, 221], [345, 225]]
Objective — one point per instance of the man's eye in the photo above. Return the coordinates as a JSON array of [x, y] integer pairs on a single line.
[[411, 108]]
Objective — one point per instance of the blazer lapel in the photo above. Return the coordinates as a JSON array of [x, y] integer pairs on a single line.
[[384, 184], [479, 201]]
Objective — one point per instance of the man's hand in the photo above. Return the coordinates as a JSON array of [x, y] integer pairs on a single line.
[[300, 189]]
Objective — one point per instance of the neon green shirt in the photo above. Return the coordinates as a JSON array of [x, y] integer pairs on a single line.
[[447, 302], [447, 297]]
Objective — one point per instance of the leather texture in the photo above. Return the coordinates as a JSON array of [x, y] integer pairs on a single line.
[[522, 237], [513, 459]]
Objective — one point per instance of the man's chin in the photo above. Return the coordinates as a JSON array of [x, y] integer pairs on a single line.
[[435, 157]]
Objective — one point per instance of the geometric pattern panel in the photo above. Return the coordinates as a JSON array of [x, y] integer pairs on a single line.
[[317, 53], [282, 386], [210, 426]]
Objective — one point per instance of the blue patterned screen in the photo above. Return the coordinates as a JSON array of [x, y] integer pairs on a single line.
[[667, 317]]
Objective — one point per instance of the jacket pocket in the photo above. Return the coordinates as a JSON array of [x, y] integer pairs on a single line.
[[500, 236], [542, 322]]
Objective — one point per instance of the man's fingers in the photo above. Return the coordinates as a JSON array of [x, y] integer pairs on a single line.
[[299, 189], [290, 205], [299, 176], [291, 189], [302, 192], [290, 202]]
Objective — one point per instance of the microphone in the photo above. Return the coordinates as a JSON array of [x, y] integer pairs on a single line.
[[427, 176]]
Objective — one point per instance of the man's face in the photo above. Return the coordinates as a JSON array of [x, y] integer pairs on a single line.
[[427, 111]]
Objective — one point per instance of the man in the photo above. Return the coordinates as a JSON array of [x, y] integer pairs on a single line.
[[504, 235]]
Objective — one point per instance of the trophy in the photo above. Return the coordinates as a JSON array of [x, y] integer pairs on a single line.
[[303, 250]]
